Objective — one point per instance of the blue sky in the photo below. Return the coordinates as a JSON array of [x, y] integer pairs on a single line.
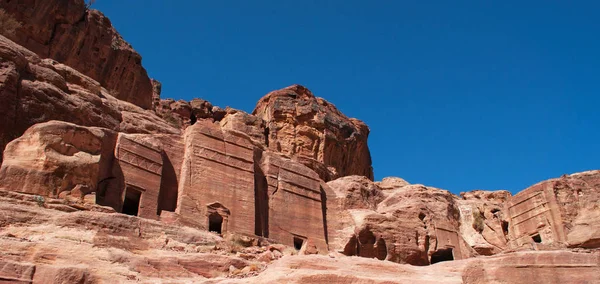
[[459, 95]]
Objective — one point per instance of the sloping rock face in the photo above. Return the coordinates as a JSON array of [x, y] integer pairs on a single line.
[[85, 40], [314, 132], [41, 243], [36, 90], [530, 267]]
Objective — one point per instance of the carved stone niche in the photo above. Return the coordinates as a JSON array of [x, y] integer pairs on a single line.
[[217, 218]]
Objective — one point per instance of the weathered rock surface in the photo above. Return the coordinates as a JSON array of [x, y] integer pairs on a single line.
[[291, 204], [54, 157], [292, 179], [522, 267], [420, 225], [483, 222], [85, 40], [36, 90], [46, 245], [217, 185], [310, 129], [557, 213], [411, 224]]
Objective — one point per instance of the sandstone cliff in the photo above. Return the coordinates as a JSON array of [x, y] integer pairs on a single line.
[[102, 181], [85, 40]]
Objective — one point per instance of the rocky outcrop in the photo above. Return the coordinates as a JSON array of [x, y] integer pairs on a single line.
[[36, 90], [557, 213], [356, 192], [291, 179], [44, 244], [411, 224], [85, 40], [483, 222], [314, 132], [422, 225], [56, 157]]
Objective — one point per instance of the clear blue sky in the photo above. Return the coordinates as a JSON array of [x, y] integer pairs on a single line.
[[459, 95]]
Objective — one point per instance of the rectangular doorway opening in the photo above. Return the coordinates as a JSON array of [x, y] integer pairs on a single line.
[[215, 223], [536, 238], [442, 255], [298, 242], [131, 204]]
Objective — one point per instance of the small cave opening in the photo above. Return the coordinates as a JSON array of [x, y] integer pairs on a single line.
[[381, 249], [131, 204], [442, 255], [505, 227], [298, 242], [537, 238], [422, 216], [352, 247], [215, 223], [193, 119], [366, 237]]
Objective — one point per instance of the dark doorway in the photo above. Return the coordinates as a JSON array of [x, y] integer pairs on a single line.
[[505, 227], [131, 204], [167, 195], [261, 197], [442, 255], [298, 242], [536, 238], [215, 223]]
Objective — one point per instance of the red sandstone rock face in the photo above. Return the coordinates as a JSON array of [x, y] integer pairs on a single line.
[[557, 213], [217, 185], [36, 90], [291, 204], [422, 221], [54, 157], [312, 131], [84, 40], [182, 114], [356, 192], [254, 178], [44, 244], [522, 267], [409, 224], [484, 224]]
